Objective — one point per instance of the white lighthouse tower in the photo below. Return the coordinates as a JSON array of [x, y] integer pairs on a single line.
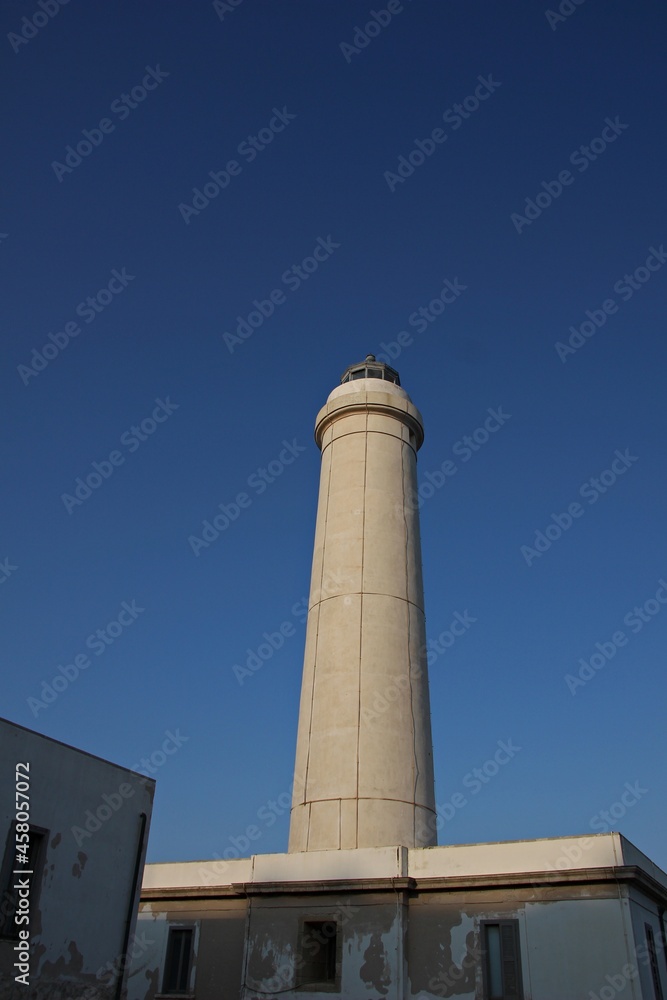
[[364, 762]]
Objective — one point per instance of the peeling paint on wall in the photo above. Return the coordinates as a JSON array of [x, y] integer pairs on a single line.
[[375, 970], [79, 865]]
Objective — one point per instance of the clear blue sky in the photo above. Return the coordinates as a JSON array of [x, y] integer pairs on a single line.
[[334, 114]]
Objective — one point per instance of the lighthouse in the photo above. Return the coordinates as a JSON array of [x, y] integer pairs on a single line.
[[358, 907], [364, 760]]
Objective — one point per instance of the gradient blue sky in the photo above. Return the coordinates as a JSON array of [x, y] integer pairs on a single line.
[[162, 337]]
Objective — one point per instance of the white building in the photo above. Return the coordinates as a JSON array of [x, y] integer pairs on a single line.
[[573, 918], [73, 830]]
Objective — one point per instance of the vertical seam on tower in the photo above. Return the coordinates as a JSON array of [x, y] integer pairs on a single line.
[[317, 637], [340, 824], [407, 607], [361, 618]]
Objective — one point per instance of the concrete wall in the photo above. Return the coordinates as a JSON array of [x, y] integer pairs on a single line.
[[427, 945], [371, 952], [410, 920], [645, 911], [567, 945], [83, 896], [217, 966], [550, 854]]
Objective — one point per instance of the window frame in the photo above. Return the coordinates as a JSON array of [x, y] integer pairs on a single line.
[[653, 961], [7, 877], [335, 946], [189, 991], [500, 923]]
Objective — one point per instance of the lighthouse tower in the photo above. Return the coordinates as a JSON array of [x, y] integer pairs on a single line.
[[364, 763]]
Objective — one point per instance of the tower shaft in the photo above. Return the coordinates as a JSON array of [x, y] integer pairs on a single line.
[[364, 770]]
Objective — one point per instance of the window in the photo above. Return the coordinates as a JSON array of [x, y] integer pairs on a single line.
[[29, 871], [319, 950], [371, 368], [502, 960], [178, 961], [650, 943]]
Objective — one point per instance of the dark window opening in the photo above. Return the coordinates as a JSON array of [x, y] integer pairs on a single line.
[[178, 960], [29, 845], [502, 960], [319, 955]]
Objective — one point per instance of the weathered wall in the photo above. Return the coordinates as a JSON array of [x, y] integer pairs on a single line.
[[645, 911], [568, 945], [397, 945], [78, 918], [217, 968], [581, 904], [371, 929]]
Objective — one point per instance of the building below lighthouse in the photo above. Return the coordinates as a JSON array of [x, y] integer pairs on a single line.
[[364, 904]]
